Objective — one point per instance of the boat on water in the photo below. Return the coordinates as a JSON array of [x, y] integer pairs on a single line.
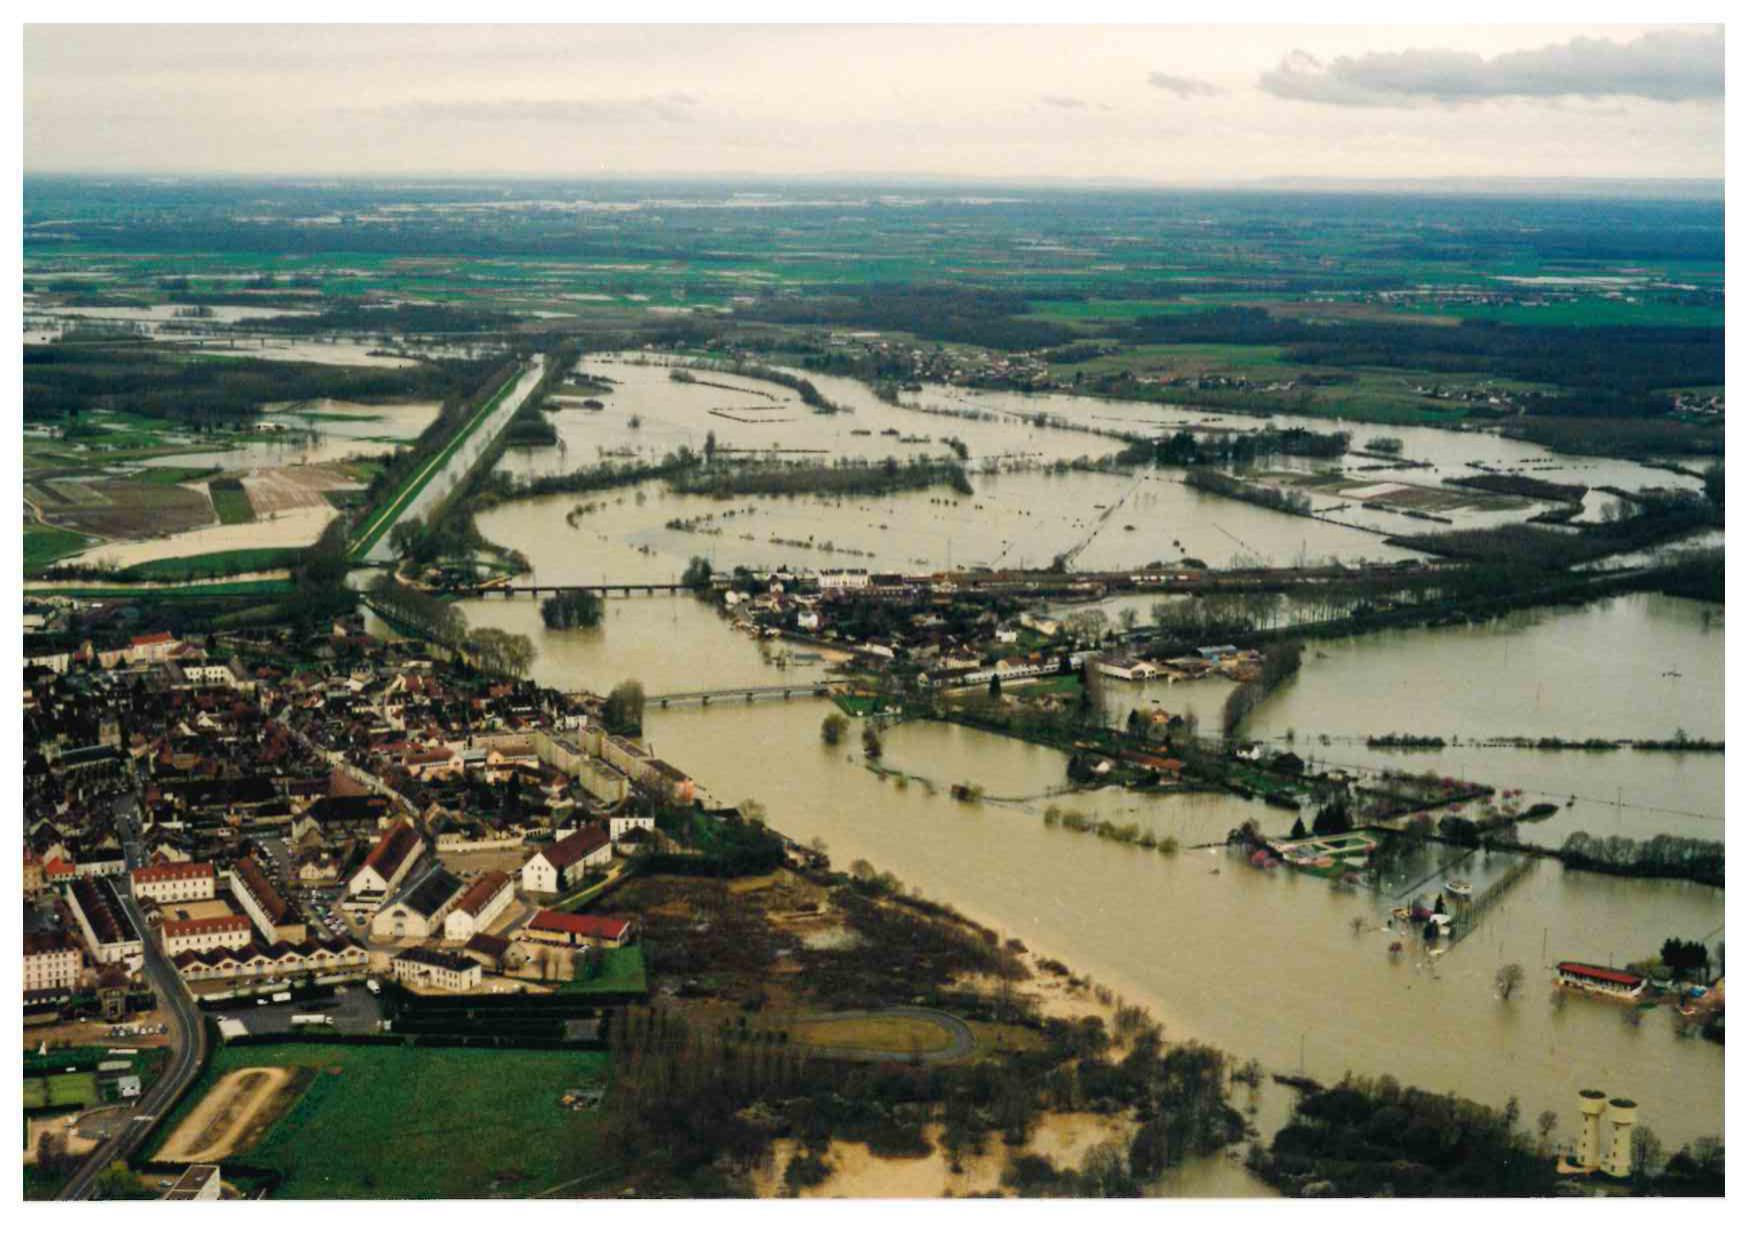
[[1459, 887]]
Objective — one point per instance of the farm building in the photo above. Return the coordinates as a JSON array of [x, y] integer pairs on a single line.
[[579, 929]]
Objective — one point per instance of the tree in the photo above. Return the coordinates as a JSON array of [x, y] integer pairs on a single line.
[[995, 686], [872, 749], [831, 729], [502, 654], [623, 712], [406, 536], [697, 575], [1508, 978], [572, 609], [1546, 1122], [1647, 1151]]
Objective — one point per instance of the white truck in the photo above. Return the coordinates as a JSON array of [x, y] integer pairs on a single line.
[[373, 986], [311, 1018], [282, 996]]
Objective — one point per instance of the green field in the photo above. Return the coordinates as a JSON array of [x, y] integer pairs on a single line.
[[400, 1122], [216, 564], [622, 973], [62, 1089], [380, 522], [230, 501], [44, 544]]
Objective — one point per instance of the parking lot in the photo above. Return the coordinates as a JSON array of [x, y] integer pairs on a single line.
[[354, 1011]]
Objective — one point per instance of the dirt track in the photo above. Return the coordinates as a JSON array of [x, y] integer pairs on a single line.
[[225, 1119]]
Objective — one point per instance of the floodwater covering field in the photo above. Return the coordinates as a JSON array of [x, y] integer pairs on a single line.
[[1263, 964], [1258, 963]]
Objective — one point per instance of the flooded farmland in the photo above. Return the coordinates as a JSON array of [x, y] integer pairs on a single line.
[[1260, 964]]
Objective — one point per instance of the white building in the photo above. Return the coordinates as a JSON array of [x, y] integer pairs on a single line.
[[200, 934], [417, 913], [387, 864], [562, 862], [175, 884], [424, 966], [617, 827], [109, 934], [51, 961], [482, 904]]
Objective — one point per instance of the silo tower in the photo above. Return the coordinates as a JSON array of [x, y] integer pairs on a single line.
[[1623, 1113], [1591, 1104]]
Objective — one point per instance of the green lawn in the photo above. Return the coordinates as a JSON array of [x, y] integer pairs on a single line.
[[399, 1122], [62, 1089], [44, 544], [622, 973]]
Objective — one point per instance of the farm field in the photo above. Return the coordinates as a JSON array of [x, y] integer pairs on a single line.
[[44, 544], [401, 1122], [230, 501]]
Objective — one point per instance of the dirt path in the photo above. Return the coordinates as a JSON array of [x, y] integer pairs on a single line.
[[215, 1128]]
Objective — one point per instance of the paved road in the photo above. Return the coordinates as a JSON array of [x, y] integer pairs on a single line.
[[963, 1044], [190, 1041]]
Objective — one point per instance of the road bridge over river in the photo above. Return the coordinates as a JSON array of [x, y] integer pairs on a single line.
[[755, 693]]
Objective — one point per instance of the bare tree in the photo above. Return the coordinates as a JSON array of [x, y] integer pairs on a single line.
[[1509, 977], [1546, 1122]]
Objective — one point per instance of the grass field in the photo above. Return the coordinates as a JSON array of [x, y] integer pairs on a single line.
[[44, 544], [230, 501], [398, 1122], [173, 474], [873, 1033], [62, 1089], [622, 973], [216, 564], [380, 522]]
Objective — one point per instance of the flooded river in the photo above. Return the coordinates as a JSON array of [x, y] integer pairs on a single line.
[[1261, 964]]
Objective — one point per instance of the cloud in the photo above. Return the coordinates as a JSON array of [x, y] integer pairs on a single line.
[[1670, 66], [1183, 87], [675, 106], [1063, 101]]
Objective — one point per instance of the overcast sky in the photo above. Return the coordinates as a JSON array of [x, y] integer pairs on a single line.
[[1164, 104]]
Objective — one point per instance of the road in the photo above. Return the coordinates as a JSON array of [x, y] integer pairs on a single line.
[[189, 1044]]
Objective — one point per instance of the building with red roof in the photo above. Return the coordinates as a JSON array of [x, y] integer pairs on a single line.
[[579, 929]]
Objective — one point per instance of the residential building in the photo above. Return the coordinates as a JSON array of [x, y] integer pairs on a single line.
[[274, 915], [51, 961], [562, 862], [387, 864], [109, 935], [199, 934], [480, 905], [425, 966], [175, 884]]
